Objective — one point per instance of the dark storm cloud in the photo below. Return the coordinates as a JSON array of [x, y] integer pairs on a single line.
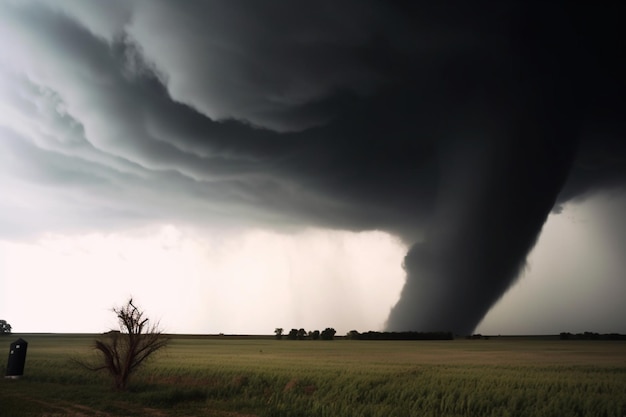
[[452, 126]]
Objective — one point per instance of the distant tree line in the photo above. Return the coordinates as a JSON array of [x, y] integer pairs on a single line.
[[477, 336], [301, 334], [372, 335], [591, 336]]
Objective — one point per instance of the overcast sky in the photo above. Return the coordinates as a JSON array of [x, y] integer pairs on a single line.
[[237, 166]]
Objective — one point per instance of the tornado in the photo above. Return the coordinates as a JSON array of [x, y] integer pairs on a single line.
[[485, 226], [499, 179]]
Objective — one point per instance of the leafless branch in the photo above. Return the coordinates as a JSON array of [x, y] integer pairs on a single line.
[[121, 353]]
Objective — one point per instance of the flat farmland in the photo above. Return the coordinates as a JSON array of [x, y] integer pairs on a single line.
[[231, 376]]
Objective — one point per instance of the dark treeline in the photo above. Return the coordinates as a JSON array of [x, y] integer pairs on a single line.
[[371, 335], [477, 336], [329, 334], [591, 336], [301, 334]]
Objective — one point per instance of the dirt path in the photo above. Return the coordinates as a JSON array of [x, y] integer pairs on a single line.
[[64, 409], [68, 409]]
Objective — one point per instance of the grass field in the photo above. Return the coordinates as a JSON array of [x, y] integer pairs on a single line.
[[225, 376]]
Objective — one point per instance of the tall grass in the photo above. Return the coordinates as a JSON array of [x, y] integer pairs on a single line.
[[196, 376]]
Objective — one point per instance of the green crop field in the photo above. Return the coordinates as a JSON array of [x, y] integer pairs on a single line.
[[225, 376]]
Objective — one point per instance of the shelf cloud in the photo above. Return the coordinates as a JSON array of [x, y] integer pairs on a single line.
[[457, 127]]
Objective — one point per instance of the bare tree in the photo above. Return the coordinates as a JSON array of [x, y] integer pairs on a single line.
[[124, 351]]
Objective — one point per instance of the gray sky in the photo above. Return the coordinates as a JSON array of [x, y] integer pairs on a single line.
[[240, 166]]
